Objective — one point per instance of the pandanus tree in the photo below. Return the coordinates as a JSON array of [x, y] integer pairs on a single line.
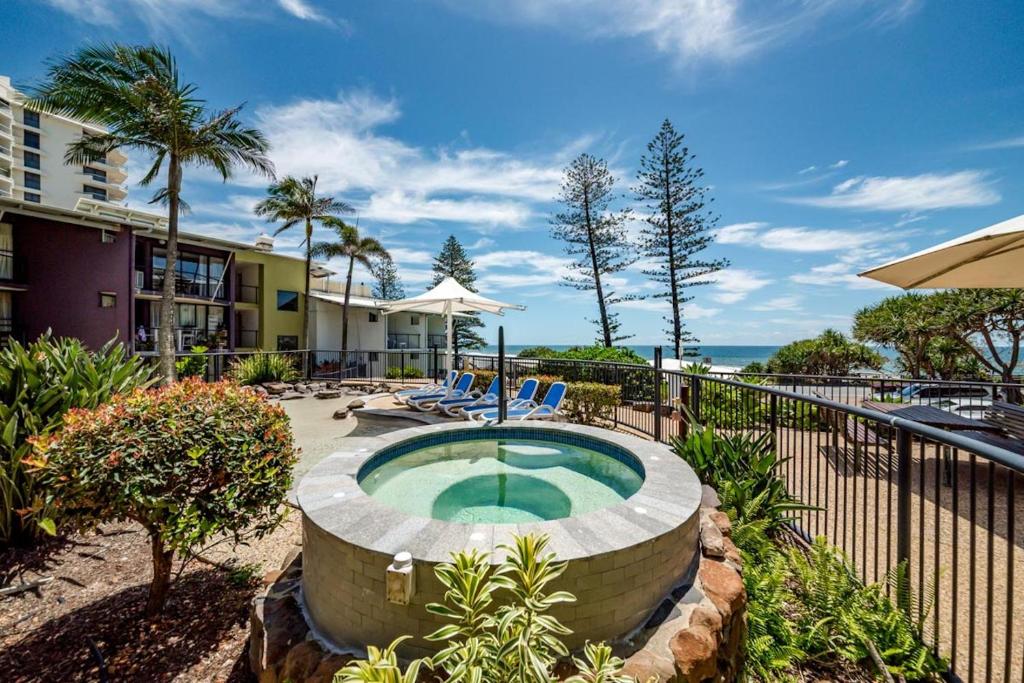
[[357, 249], [136, 93], [293, 202]]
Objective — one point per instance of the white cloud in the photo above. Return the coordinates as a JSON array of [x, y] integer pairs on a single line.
[[305, 11], [391, 181], [928, 191], [530, 269], [481, 243], [691, 311], [809, 169], [836, 274], [839, 164], [161, 16], [406, 256], [687, 30], [735, 284], [779, 303], [798, 239], [1005, 143]]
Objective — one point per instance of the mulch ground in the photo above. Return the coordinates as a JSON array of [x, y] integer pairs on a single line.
[[87, 623]]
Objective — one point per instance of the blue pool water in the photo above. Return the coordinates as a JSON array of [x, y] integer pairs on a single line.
[[501, 481]]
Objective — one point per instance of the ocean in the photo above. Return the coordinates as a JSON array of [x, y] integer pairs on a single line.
[[725, 356]]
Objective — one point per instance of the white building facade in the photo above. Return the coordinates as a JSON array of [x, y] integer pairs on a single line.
[[32, 149]]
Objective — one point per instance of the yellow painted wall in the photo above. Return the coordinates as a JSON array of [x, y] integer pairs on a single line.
[[276, 272]]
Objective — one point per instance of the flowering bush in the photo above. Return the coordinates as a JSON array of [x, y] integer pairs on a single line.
[[187, 461], [38, 384]]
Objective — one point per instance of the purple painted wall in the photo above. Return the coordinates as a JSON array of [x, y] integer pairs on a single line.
[[66, 266]]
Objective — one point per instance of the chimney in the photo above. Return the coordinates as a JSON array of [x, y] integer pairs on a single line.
[[264, 243]]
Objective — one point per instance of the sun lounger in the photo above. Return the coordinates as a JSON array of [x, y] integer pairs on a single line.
[[527, 390], [405, 394], [452, 406], [426, 403], [528, 410]]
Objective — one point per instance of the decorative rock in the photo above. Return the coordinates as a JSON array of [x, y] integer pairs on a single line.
[[709, 497], [260, 390], [732, 553], [340, 414], [276, 388], [695, 654], [647, 666], [328, 667], [276, 625], [712, 541], [327, 393], [723, 586], [301, 661], [722, 521], [291, 396], [302, 389], [357, 403]]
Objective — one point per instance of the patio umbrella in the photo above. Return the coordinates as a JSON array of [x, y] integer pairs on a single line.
[[987, 258], [449, 299]]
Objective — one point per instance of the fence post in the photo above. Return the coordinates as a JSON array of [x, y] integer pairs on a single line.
[[437, 374], [657, 393], [903, 495], [773, 419], [401, 356], [684, 402], [695, 399]]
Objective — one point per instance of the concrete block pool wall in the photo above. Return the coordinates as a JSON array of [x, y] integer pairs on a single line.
[[622, 560]]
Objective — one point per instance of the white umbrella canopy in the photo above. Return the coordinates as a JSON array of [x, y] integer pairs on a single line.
[[992, 257], [449, 298]]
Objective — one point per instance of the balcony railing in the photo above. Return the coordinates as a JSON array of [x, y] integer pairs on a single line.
[[247, 294], [403, 341], [438, 340], [247, 339], [195, 290]]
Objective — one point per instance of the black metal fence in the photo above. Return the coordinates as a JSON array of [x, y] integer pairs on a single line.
[[884, 489]]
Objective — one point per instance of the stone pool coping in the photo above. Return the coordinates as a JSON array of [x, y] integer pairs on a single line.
[[331, 498]]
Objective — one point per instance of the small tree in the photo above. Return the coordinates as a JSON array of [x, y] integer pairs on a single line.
[[988, 323], [453, 261], [387, 283], [188, 462], [595, 236], [678, 226], [830, 353]]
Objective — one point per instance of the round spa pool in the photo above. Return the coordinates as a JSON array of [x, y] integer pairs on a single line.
[[501, 481], [622, 511]]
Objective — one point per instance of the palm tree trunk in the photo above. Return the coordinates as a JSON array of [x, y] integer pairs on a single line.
[[344, 308], [305, 298], [168, 314]]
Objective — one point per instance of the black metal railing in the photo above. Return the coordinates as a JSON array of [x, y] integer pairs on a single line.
[[884, 489], [196, 289]]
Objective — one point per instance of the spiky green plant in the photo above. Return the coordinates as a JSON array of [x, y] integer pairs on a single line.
[[263, 367], [517, 640]]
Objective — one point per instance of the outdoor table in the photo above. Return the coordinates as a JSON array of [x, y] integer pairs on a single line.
[[934, 417]]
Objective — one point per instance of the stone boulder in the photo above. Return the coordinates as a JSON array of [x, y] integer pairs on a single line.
[[276, 388], [291, 396], [356, 403], [327, 393], [340, 414]]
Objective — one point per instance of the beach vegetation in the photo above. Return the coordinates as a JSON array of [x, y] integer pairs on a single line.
[[831, 353]]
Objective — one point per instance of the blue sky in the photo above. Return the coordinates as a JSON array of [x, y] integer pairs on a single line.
[[835, 134]]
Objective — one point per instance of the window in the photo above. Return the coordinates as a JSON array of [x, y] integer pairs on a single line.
[[108, 300], [287, 301], [287, 342], [6, 251], [33, 197], [33, 181], [31, 160], [108, 236], [414, 320], [95, 173], [373, 317], [31, 139], [97, 193], [30, 118]]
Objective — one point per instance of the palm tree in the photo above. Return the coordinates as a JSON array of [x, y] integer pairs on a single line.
[[137, 94], [356, 249], [294, 201]]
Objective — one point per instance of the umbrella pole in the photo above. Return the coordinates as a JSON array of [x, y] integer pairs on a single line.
[[502, 396], [448, 331]]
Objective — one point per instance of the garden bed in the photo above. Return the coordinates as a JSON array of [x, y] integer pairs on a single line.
[[98, 593]]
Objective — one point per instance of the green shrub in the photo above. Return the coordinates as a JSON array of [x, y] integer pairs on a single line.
[[193, 365], [840, 617], [754, 368], [590, 403], [257, 368], [482, 379], [500, 628], [397, 372], [188, 461], [38, 384], [537, 352]]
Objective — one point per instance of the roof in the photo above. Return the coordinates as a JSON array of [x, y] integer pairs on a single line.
[[357, 301]]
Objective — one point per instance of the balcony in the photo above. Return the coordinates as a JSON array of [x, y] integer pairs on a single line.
[[247, 339], [6, 265], [403, 341], [213, 291], [247, 294], [438, 340]]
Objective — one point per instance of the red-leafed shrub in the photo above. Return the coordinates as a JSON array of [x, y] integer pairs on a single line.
[[188, 462]]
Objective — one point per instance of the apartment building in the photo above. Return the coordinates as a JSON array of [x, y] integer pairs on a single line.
[[32, 150]]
